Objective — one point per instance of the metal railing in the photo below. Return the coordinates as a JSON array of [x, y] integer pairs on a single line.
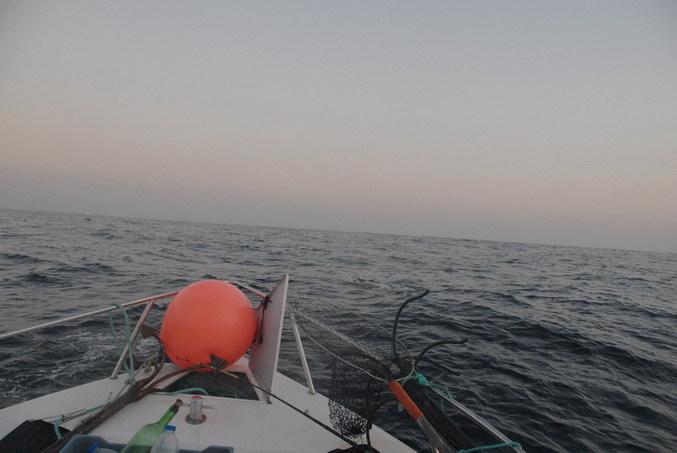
[[150, 303], [85, 315]]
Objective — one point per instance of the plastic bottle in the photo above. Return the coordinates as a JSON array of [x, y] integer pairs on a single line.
[[168, 442], [96, 449], [146, 437]]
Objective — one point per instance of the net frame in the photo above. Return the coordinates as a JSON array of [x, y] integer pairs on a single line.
[[359, 372]]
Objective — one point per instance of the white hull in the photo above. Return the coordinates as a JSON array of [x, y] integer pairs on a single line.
[[246, 426]]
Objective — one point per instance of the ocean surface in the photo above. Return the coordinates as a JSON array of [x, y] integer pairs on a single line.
[[569, 349]]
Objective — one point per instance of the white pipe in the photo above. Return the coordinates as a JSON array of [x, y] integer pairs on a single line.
[[130, 341], [82, 315], [302, 354]]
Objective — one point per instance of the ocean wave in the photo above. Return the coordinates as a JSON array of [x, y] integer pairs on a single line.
[[95, 267], [41, 279], [19, 258], [568, 349]]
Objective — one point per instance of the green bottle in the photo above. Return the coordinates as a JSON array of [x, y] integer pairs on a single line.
[[145, 437]]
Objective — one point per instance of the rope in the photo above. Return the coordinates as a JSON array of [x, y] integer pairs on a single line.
[[190, 390], [56, 426], [134, 392], [128, 367], [491, 447], [423, 381], [64, 418], [305, 413], [81, 412]]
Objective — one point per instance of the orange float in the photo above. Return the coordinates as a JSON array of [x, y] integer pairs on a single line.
[[208, 317]]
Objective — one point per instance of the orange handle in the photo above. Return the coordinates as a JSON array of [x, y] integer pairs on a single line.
[[404, 398]]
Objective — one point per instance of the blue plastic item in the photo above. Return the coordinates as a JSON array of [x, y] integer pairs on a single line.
[[96, 449], [81, 443]]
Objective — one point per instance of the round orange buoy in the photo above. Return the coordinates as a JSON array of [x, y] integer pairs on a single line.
[[208, 317]]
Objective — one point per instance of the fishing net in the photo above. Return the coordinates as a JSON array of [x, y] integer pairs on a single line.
[[350, 397], [361, 358]]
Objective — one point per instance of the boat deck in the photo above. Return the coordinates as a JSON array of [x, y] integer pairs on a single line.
[[248, 426]]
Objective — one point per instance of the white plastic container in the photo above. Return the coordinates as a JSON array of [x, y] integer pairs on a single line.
[[168, 442]]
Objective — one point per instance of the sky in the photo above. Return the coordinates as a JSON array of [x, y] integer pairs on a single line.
[[525, 121]]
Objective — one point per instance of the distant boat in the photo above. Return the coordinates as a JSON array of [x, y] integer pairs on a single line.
[[88, 217]]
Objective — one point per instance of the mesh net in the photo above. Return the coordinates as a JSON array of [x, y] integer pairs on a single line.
[[360, 356], [350, 398]]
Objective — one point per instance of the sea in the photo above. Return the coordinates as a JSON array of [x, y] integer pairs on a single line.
[[569, 349]]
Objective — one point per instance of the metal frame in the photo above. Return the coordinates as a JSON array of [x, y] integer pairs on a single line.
[[479, 420], [85, 315], [150, 303], [302, 355]]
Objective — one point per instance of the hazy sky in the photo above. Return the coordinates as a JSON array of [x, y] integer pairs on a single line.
[[531, 121]]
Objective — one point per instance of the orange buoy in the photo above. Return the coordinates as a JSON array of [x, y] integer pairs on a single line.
[[208, 317]]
